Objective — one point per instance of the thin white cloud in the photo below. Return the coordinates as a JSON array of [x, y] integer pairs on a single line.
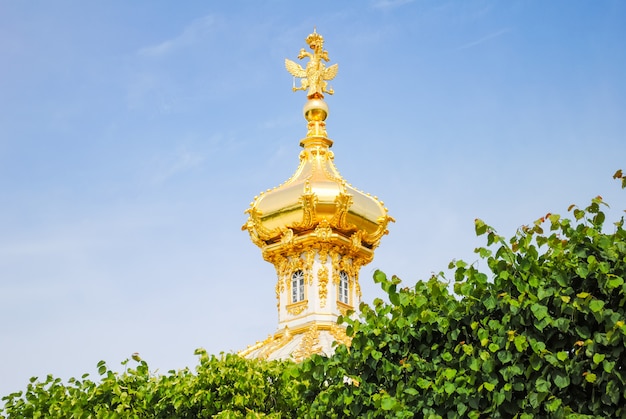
[[485, 38], [196, 30], [389, 4], [183, 161]]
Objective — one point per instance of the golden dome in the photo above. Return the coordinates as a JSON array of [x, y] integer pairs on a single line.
[[316, 203]]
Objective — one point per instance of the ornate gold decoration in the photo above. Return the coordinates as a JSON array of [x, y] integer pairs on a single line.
[[287, 237], [274, 344], [315, 74], [343, 202], [357, 286], [306, 338], [253, 225], [308, 200], [310, 260], [355, 241], [323, 230], [322, 279], [339, 333], [297, 308], [344, 308], [309, 345], [323, 254], [336, 258]]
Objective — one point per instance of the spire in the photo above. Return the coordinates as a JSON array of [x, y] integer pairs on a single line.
[[314, 77]]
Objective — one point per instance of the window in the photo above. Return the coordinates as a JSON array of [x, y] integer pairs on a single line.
[[343, 288], [297, 286]]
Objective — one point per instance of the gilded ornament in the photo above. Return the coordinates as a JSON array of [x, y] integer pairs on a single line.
[[336, 259], [322, 279], [339, 333], [308, 200], [315, 75], [309, 344], [323, 230], [287, 237], [355, 241], [297, 308], [322, 253], [343, 202], [275, 344], [343, 308], [310, 259]]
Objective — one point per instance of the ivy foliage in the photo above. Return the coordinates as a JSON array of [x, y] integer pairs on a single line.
[[541, 334]]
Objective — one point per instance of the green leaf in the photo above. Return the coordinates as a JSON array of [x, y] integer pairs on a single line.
[[480, 227], [614, 282], [561, 380], [394, 298], [449, 373], [542, 385], [388, 402], [411, 391], [520, 343], [505, 356], [423, 383], [554, 404], [540, 311], [596, 305], [102, 368], [608, 366]]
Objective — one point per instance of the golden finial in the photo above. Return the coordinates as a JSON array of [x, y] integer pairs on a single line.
[[314, 77]]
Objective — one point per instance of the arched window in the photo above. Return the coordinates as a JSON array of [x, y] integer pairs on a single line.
[[297, 286], [343, 288]]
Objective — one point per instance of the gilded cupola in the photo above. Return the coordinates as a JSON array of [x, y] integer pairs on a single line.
[[316, 228]]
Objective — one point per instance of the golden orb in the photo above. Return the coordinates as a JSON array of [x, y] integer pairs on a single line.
[[315, 110]]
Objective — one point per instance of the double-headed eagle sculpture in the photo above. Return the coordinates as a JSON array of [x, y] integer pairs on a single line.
[[314, 77]]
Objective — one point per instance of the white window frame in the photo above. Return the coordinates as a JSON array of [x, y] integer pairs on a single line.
[[343, 289], [297, 286]]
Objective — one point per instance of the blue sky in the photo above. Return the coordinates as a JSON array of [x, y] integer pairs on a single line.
[[133, 135]]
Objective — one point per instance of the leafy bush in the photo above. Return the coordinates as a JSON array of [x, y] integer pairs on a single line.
[[227, 386]]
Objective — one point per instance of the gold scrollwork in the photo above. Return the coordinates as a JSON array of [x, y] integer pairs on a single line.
[[343, 201], [339, 333], [323, 231], [344, 308], [322, 254], [287, 237], [336, 258], [322, 278], [308, 270], [308, 200], [297, 308], [309, 344]]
